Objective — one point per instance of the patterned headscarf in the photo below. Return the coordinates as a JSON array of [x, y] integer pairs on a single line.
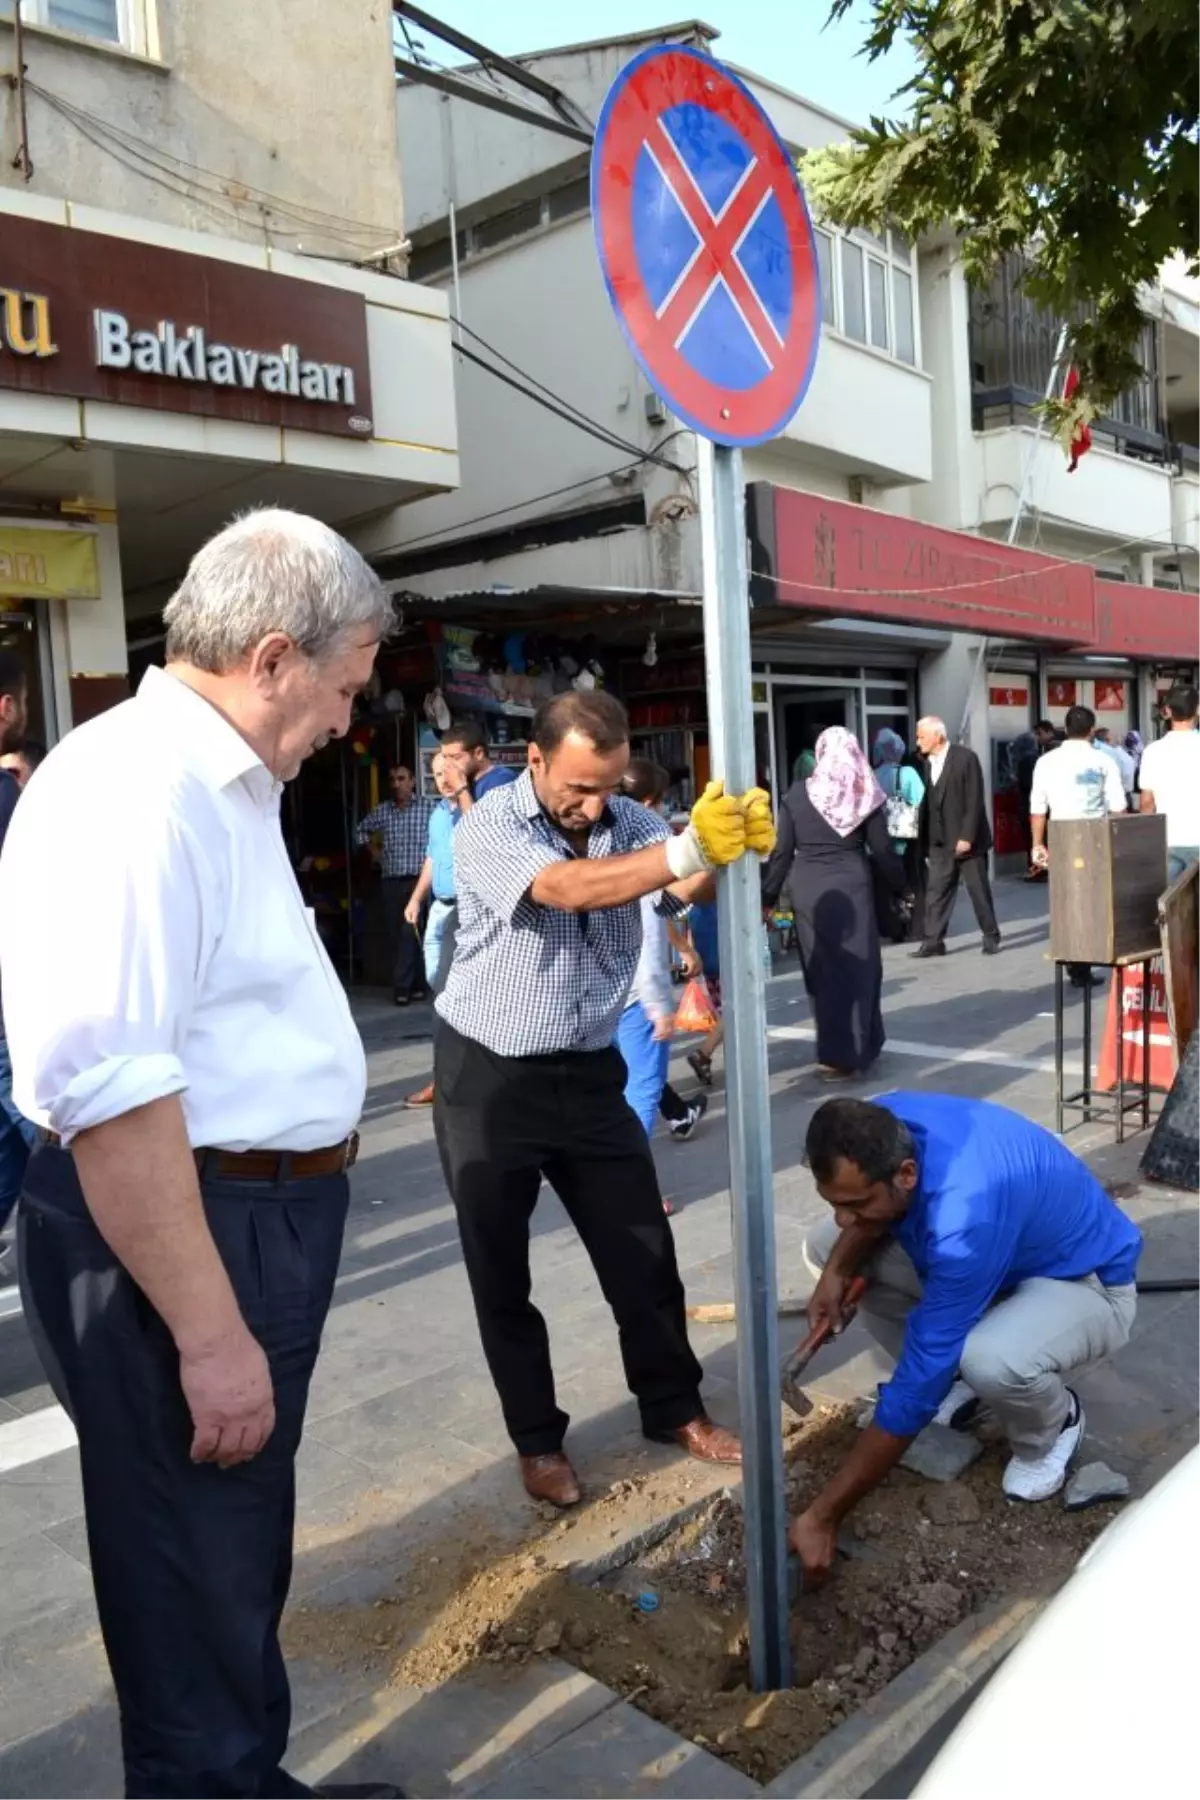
[[1135, 746], [842, 788], [889, 747]]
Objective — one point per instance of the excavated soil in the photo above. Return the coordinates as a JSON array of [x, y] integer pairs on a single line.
[[922, 1556]]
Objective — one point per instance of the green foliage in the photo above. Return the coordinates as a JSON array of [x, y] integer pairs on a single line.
[[1063, 129]]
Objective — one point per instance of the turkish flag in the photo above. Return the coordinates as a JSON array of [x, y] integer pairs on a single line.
[[1081, 443]]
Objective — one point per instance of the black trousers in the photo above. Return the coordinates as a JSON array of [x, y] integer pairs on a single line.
[[191, 1563], [941, 886], [673, 1107], [408, 966], [502, 1122]]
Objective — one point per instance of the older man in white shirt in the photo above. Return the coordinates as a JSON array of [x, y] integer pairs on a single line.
[[180, 1037]]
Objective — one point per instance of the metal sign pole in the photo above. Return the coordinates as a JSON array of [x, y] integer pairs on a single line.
[[747, 1101]]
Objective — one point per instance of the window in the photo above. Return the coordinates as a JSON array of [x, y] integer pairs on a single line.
[[877, 287], [108, 20], [516, 222], [575, 197], [854, 311], [825, 265], [868, 293], [902, 314]]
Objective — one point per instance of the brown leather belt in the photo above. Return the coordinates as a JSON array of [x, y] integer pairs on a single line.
[[266, 1165]]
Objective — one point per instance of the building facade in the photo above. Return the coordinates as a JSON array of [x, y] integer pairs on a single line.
[[201, 309], [914, 433]]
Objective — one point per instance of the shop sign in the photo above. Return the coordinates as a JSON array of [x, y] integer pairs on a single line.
[[828, 556], [1109, 696], [1159, 623], [1061, 693], [98, 317], [48, 565], [1008, 696]]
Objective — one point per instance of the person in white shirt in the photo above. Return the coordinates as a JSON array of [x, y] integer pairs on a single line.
[[182, 1041], [1079, 780], [1170, 779]]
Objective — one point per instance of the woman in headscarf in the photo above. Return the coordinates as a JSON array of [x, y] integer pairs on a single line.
[[902, 785], [827, 824], [804, 765]]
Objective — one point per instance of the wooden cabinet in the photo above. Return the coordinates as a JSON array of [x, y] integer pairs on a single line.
[[1106, 876]]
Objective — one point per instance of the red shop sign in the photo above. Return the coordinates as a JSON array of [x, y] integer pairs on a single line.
[[999, 696], [1110, 696], [1061, 693]]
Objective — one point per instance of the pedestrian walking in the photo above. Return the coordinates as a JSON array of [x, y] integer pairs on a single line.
[[647, 1023], [22, 763], [956, 838], [1170, 779], [1103, 739], [435, 887], [181, 1039], [550, 874], [401, 824], [996, 1265], [827, 825], [702, 929], [904, 794], [1079, 780]]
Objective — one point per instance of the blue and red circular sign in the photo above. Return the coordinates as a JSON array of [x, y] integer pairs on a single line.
[[706, 245]]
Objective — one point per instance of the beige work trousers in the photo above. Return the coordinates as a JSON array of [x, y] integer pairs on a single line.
[[1017, 1355]]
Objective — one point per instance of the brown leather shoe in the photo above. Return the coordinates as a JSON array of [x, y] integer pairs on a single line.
[[705, 1440], [550, 1478], [422, 1097]]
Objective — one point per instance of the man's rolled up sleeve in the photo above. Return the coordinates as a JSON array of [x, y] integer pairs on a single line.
[[498, 859], [104, 962]]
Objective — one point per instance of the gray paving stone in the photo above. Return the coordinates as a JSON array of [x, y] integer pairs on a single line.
[[476, 1730], [37, 1579], [621, 1752], [1094, 1482], [941, 1454]]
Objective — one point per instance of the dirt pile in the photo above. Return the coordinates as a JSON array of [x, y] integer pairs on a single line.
[[668, 1630]]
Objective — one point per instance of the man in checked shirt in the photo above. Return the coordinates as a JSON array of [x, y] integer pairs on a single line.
[[402, 822], [549, 873]]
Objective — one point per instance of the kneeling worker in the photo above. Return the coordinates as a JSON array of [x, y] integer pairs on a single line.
[[995, 1262]]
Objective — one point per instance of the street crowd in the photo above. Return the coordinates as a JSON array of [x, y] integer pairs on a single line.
[[187, 1081]]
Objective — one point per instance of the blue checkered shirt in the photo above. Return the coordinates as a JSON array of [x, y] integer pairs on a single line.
[[529, 980], [405, 833]]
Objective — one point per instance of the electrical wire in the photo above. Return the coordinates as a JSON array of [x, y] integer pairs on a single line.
[[585, 418], [572, 417], [498, 512], [124, 146]]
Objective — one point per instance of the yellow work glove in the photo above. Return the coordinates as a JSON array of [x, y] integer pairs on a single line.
[[760, 826], [719, 821], [714, 836]]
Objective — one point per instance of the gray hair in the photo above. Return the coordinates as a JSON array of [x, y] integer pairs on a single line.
[[268, 571], [934, 724]]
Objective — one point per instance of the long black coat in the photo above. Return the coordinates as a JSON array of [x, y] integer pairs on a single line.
[[829, 883]]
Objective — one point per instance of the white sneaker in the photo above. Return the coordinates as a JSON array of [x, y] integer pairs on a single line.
[[1039, 1479], [960, 1409]]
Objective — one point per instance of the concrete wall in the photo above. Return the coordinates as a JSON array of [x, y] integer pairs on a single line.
[[290, 102]]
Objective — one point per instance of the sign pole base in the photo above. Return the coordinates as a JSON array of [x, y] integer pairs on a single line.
[[731, 738]]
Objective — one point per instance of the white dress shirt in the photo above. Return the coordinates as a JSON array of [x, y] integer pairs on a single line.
[[937, 763], [1079, 780], [154, 941]]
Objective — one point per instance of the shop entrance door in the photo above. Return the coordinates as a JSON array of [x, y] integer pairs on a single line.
[[802, 714]]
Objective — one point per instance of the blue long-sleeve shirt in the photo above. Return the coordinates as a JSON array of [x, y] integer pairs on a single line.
[[998, 1201]]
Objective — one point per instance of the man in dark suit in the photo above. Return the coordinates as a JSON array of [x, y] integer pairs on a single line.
[[956, 838]]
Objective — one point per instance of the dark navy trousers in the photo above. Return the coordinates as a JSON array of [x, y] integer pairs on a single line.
[[191, 1563]]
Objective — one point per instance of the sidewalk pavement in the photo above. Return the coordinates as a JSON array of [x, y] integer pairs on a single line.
[[405, 1447]]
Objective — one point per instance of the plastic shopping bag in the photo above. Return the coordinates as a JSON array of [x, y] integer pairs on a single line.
[[695, 1011]]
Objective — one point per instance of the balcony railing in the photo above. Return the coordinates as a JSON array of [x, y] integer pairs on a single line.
[[1013, 343]]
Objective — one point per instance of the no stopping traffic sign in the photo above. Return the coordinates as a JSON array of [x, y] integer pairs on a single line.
[[706, 245]]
